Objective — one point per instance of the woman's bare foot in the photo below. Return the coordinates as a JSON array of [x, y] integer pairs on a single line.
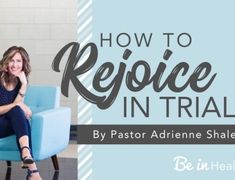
[[26, 157], [33, 174], [26, 152]]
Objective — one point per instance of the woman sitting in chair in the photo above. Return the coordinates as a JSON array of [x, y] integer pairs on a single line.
[[14, 114]]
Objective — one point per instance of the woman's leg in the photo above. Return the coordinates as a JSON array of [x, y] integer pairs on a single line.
[[21, 128]]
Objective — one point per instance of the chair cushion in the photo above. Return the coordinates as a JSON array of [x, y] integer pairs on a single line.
[[36, 109], [43, 96], [8, 143]]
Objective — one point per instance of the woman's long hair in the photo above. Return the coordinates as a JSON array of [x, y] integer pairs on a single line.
[[7, 56]]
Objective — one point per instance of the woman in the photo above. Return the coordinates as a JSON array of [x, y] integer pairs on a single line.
[[14, 114]]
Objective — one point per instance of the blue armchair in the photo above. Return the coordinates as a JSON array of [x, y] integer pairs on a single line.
[[50, 126]]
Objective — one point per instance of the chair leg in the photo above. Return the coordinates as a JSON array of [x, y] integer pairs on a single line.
[[56, 175], [55, 162], [8, 174], [8, 163]]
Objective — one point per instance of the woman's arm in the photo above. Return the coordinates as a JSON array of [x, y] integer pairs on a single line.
[[20, 97], [5, 108], [21, 94], [23, 88]]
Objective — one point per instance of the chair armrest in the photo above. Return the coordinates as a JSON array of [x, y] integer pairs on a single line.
[[50, 132]]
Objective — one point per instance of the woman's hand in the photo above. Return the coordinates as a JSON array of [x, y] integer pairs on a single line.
[[22, 78], [26, 109]]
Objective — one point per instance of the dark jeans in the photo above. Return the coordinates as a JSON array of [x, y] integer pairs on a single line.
[[15, 122]]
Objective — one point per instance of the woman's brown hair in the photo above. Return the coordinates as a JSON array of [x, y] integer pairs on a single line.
[[7, 56]]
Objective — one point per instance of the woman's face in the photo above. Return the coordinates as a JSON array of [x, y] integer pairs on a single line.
[[15, 64]]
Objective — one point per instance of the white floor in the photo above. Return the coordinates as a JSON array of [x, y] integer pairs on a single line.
[[69, 152]]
